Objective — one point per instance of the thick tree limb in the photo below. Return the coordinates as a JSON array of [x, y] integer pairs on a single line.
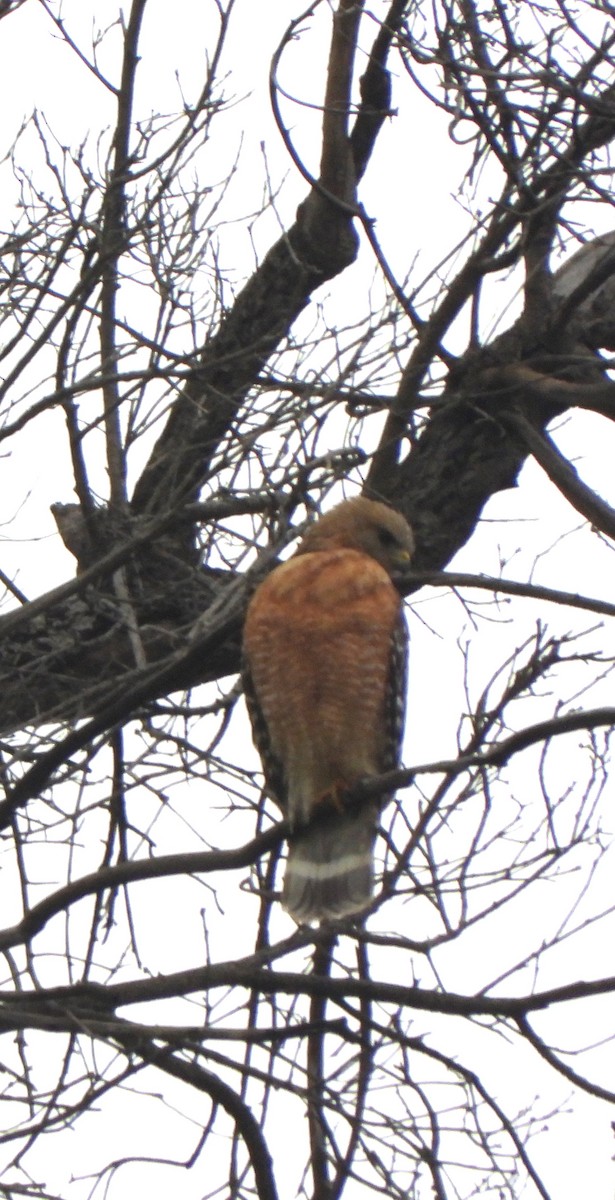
[[251, 973], [320, 244]]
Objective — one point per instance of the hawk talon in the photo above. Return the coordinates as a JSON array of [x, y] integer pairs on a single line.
[[335, 797]]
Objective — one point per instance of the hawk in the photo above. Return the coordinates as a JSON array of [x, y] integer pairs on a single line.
[[324, 651]]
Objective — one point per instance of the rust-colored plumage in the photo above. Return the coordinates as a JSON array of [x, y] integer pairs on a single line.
[[324, 654]]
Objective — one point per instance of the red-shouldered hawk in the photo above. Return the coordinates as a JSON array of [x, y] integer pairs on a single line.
[[325, 645]]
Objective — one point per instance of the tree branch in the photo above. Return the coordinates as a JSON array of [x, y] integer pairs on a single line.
[[563, 474]]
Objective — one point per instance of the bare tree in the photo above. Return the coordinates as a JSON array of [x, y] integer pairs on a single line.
[[211, 384]]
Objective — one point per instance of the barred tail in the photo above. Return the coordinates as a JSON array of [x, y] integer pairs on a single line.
[[329, 872]]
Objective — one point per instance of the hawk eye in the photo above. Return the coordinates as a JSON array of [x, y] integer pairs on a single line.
[[387, 538]]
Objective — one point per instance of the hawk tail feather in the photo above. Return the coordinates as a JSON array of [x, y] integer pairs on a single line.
[[329, 873]]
